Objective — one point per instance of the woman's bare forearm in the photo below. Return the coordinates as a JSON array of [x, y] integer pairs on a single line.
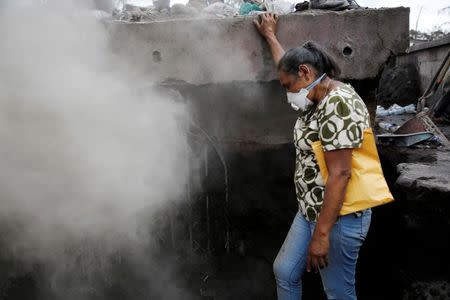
[[275, 47]]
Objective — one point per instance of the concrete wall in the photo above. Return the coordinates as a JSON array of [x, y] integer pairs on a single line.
[[241, 114], [200, 51], [224, 69], [427, 57]]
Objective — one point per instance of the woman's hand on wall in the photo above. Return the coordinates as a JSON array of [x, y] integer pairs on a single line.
[[267, 24], [267, 27]]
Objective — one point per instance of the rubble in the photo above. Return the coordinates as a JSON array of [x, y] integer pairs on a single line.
[[162, 12], [161, 9], [220, 9], [388, 126], [247, 8], [197, 4], [395, 109], [183, 10], [280, 7]]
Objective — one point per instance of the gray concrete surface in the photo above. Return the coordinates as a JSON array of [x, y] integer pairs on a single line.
[[241, 114], [201, 51], [224, 69], [432, 177], [427, 57]]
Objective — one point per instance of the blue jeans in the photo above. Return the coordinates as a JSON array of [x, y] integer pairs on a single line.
[[338, 277]]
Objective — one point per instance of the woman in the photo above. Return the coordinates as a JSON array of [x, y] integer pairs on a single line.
[[332, 112]]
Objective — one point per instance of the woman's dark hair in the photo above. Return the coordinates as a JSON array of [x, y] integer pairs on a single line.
[[312, 54]]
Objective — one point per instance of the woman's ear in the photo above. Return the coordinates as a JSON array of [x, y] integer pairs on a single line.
[[305, 72]]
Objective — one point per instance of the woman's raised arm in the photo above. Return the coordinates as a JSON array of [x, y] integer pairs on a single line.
[[267, 27]]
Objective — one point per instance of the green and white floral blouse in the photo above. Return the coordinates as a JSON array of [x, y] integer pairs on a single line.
[[338, 121]]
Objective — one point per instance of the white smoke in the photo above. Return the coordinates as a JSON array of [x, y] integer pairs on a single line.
[[87, 153]]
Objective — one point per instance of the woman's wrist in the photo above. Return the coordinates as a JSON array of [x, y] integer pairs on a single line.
[[321, 232], [271, 37]]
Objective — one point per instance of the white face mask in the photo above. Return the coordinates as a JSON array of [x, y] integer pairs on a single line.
[[299, 100]]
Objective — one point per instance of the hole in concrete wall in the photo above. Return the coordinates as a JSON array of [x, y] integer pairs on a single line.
[[157, 56], [347, 51]]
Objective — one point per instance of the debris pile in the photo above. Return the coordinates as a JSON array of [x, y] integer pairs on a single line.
[[390, 119], [162, 10], [432, 106]]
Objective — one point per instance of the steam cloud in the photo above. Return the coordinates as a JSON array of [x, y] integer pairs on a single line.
[[89, 153]]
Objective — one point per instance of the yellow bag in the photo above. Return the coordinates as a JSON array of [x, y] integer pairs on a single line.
[[367, 186]]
